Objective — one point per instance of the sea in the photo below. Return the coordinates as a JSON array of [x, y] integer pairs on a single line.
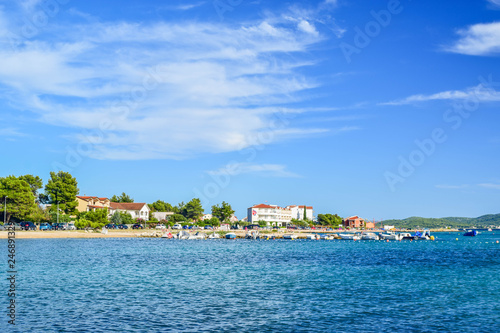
[[451, 284]]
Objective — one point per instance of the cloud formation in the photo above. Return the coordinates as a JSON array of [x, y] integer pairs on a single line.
[[478, 39], [161, 90], [264, 170]]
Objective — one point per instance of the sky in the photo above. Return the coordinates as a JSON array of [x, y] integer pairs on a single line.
[[383, 109]]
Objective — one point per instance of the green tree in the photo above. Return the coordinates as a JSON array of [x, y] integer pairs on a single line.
[[193, 209], [222, 212], [329, 219], [214, 222], [177, 218], [126, 218], [34, 182], [116, 218], [82, 223], [20, 199], [161, 206], [62, 217], [62, 188], [99, 218], [262, 223], [122, 198]]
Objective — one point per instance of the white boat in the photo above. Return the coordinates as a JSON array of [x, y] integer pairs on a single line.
[[369, 236], [390, 235], [167, 235], [214, 236], [313, 237], [183, 234], [350, 236], [289, 236], [198, 235]]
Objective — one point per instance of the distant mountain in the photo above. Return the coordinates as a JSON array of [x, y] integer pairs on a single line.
[[455, 222]]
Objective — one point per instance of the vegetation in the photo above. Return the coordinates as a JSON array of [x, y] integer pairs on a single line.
[[161, 206], [453, 222], [193, 209], [20, 199], [62, 188], [330, 220], [124, 198], [222, 212]]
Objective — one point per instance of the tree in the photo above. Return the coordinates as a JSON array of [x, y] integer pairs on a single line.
[[193, 209], [177, 218], [179, 208], [126, 218], [62, 188], [116, 218], [329, 219], [34, 182], [20, 199], [214, 222], [222, 212], [161, 206], [122, 198], [99, 218], [305, 212]]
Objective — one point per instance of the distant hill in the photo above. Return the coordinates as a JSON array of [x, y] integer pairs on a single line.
[[454, 222]]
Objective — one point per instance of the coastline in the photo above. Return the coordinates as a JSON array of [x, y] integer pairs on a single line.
[[22, 234]]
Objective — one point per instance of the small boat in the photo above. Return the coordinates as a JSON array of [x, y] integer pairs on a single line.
[[198, 235], [167, 235], [407, 236], [213, 236], [471, 233], [289, 236], [390, 236], [369, 236], [231, 235], [252, 235], [350, 236], [313, 237], [183, 234]]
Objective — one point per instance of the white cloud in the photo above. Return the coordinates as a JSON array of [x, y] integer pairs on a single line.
[[491, 185], [167, 90], [481, 92], [479, 39], [265, 170], [495, 2], [308, 28]]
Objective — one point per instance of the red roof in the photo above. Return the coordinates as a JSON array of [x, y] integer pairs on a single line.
[[263, 206], [86, 197], [308, 207], [127, 205]]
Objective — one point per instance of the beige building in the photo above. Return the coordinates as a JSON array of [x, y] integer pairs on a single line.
[[90, 203]]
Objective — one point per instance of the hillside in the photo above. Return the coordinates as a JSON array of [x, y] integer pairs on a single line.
[[454, 222]]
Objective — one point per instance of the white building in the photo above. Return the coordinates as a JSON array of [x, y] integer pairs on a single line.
[[272, 214], [136, 210], [162, 215], [298, 212], [206, 217]]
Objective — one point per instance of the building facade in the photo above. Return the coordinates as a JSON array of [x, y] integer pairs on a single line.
[[90, 203], [298, 212], [272, 214], [354, 222], [136, 210]]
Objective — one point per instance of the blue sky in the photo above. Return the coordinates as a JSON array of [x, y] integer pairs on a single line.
[[385, 109]]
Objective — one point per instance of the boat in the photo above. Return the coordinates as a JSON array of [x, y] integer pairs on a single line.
[[252, 235], [471, 233], [183, 234], [198, 235], [231, 235], [289, 236], [407, 236], [213, 236], [369, 236], [350, 236], [167, 235], [390, 235], [313, 237]]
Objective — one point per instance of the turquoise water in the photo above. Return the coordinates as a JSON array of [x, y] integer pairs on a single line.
[[158, 285]]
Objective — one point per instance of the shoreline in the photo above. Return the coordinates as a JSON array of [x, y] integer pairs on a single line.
[[52, 234]]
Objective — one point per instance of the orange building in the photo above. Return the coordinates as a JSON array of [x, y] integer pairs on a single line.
[[355, 222]]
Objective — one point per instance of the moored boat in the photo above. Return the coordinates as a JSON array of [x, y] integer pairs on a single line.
[[471, 233], [350, 236], [313, 237], [369, 236], [231, 235], [389, 235], [289, 236]]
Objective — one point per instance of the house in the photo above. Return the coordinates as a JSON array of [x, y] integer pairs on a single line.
[[354, 222], [272, 214], [91, 203], [298, 212], [135, 209], [206, 217], [162, 215], [233, 219]]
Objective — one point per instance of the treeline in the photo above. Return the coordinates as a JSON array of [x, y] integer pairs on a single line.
[[453, 222]]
